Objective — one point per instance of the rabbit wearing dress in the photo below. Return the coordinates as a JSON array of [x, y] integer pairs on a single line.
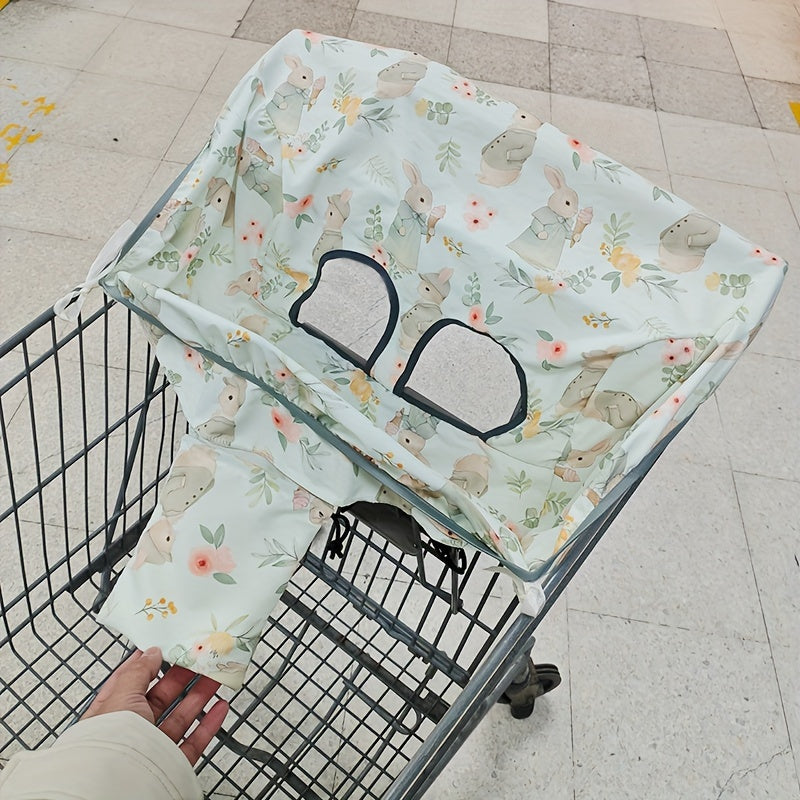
[[542, 242]]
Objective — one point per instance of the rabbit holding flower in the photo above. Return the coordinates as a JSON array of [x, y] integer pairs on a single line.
[[542, 242]]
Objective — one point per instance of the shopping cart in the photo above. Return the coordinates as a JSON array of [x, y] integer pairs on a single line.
[[373, 671], [387, 647]]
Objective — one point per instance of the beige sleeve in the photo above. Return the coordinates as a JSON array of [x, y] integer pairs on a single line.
[[118, 755]]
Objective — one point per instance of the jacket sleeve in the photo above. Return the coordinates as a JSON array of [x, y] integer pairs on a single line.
[[118, 755]]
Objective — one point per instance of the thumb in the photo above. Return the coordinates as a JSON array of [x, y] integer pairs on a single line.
[[138, 672]]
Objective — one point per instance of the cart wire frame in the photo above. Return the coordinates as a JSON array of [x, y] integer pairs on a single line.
[[372, 672]]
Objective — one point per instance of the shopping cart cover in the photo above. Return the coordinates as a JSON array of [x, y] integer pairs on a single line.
[[372, 247]]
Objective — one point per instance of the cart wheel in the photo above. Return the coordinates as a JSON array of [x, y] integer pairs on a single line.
[[521, 695]]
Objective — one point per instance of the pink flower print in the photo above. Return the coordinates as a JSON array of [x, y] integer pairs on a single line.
[[282, 374], [477, 318], [283, 421], [194, 359], [223, 560], [199, 649], [314, 38], [551, 351], [465, 88], [476, 222], [380, 255], [478, 216], [767, 257], [397, 370], [585, 153], [296, 208], [201, 561], [678, 352], [188, 255]]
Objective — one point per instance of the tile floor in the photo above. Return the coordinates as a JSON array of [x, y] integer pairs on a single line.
[[679, 640]]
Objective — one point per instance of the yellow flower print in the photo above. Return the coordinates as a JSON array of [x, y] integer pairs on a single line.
[[421, 107], [627, 263], [713, 281], [163, 607], [360, 387], [350, 107], [531, 427], [544, 285], [220, 642]]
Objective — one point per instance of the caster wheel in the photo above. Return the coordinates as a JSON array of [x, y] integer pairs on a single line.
[[521, 695]]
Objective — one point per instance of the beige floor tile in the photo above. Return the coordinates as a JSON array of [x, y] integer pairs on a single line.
[[629, 135], [73, 191], [120, 114], [269, 20], [760, 60], [537, 102], [693, 12], [785, 659], [718, 150], [657, 177], [776, 22], [772, 530], [24, 81], [474, 54], [440, 11], [237, 59], [702, 93], [162, 179], [603, 76], [666, 713], [760, 415], [118, 7], [221, 18], [194, 133], [786, 149], [509, 758], [762, 215], [689, 45], [53, 34], [771, 99], [594, 29], [524, 18], [427, 38], [676, 556], [159, 54], [28, 286]]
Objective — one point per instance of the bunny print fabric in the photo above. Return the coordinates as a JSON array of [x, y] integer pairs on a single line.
[[546, 317]]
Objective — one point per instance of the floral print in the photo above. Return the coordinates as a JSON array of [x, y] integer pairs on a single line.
[[620, 305]]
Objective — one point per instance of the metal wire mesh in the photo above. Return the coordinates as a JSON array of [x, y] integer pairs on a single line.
[[361, 659]]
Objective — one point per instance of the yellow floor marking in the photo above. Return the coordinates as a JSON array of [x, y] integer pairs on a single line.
[[4, 3], [794, 106]]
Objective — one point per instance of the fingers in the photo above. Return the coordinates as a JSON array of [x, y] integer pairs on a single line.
[[198, 740], [187, 711], [127, 683], [163, 693]]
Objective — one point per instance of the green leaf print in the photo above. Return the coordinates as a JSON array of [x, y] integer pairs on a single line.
[[472, 291], [659, 193], [374, 229], [518, 482], [449, 157], [548, 337], [226, 155], [206, 534], [219, 254], [345, 84], [223, 577], [166, 258], [378, 171], [219, 536]]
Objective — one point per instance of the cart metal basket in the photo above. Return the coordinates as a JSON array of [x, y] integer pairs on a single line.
[[378, 662]]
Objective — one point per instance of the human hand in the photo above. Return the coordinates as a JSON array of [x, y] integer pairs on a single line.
[[127, 690]]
